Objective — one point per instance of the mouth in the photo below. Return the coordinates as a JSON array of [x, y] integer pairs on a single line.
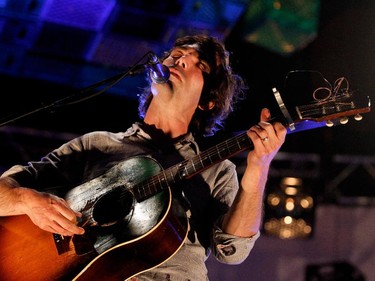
[[175, 74]]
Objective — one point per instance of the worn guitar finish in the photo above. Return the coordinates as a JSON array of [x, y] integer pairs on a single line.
[[132, 223]]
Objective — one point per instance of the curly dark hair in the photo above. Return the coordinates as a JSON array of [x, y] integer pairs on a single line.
[[221, 86]]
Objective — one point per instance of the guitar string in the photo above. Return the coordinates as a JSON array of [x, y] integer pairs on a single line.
[[191, 166]]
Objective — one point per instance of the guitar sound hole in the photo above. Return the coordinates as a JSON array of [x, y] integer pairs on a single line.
[[113, 207]]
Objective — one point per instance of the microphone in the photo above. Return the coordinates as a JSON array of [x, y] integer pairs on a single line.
[[159, 73]]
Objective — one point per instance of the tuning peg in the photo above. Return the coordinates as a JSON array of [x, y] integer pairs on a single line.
[[358, 117], [329, 123], [344, 120]]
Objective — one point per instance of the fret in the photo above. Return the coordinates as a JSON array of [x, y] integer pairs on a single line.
[[209, 157], [172, 173], [233, 146], [180, 169], [218, 152], [148, 187], [192, 165], [185, 173], [200, 160], [168, 179], [215, 157], [206, 160], [177, 172], [135, 191], [238, 143], [141, 192], [160, 182], [243, 142], [198, 163], [163, 182]]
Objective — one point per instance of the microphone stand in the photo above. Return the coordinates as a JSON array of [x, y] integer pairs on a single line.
[[133, 70]]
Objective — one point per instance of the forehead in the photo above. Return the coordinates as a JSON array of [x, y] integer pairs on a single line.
[[186, 49]]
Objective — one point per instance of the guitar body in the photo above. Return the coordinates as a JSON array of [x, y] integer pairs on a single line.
[[123, 237]]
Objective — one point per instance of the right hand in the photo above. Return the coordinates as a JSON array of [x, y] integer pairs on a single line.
[[49, 212]]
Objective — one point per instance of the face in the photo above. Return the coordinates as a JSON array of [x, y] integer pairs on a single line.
[[186, 80]]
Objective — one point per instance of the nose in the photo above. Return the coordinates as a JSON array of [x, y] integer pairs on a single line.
[[181, 61]]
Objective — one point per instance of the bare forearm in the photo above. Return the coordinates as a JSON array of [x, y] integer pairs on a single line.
[[45, 210], [245, 215], [9, 197]]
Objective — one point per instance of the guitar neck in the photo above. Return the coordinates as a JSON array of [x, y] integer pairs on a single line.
[[190, 167]]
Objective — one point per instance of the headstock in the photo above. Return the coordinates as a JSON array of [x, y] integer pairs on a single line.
[[328, 107], [335, 108]]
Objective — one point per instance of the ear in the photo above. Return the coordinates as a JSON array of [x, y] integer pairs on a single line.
[[207, 107]]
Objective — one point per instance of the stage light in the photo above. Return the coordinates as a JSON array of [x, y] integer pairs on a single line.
[[289, 209], [281, 26]]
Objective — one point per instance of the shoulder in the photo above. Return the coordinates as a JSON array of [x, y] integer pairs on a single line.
[[100, 136]]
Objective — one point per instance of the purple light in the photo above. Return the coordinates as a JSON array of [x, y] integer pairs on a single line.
[[84, 14]]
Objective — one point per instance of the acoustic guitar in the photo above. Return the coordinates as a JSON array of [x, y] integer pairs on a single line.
[[132, 221]]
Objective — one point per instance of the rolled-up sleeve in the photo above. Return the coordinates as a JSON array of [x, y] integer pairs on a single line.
[[232, 249]]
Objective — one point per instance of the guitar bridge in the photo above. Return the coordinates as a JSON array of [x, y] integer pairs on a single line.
[[81, 244], [61, 243]]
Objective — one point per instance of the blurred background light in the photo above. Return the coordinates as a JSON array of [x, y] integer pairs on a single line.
[[281, 26], [289, 209]]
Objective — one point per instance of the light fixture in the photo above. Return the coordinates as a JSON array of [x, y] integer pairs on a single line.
[[289, 209], [283, 27]]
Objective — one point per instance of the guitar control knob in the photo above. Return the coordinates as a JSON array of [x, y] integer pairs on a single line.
[[329, 123], [344, 120], [358, 117]]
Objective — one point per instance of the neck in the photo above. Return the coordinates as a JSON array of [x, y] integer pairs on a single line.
[[173, 123], [171, 129]]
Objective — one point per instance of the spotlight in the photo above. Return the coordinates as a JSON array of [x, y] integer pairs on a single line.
[[283, 27], [289, 210]]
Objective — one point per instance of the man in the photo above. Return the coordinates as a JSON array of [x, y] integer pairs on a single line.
[[224, 216]]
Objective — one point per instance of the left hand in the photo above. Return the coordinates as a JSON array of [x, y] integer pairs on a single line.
[[267, 139]]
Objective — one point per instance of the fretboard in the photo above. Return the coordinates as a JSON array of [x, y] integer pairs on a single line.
[[192, 166]]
